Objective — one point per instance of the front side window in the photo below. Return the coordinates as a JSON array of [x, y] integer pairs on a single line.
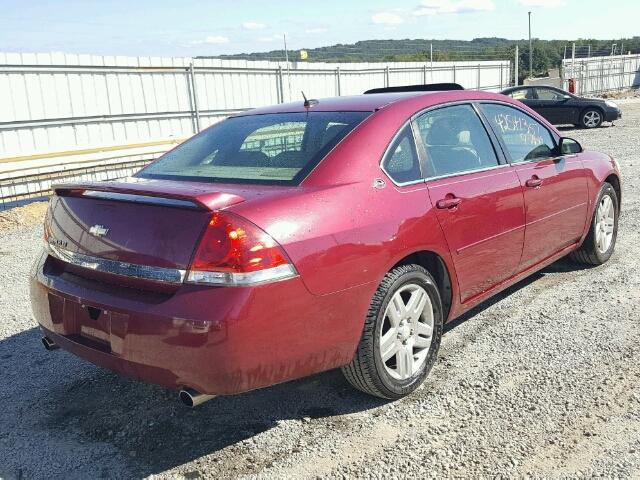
[[455, 141], [401, 161], [278, 148], [524, 137]]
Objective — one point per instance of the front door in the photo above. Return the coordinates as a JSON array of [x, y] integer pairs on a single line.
[[478, 200], [555, 106], [554, 187]]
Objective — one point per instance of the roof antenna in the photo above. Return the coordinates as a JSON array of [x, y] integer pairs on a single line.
[[308, 103]]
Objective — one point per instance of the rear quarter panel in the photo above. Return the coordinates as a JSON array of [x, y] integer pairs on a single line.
[[348, 235]]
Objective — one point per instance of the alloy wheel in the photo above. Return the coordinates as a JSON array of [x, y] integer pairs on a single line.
[[591, 119], [407, 332], [605, 224]]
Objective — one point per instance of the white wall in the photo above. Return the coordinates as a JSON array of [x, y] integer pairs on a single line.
[[57, 102]]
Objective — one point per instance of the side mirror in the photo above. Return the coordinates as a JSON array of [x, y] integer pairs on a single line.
[[569, 146]]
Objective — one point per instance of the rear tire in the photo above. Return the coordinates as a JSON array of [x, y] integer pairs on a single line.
[[401, 335], [600, 242], [591, 118]]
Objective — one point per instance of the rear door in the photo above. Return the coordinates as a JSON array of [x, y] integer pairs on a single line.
[[555, 187], [477, 196]]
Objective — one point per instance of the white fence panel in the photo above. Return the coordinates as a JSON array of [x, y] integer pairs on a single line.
[[600, 74]]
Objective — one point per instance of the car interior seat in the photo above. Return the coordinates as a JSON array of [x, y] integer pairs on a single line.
[[449, 148]]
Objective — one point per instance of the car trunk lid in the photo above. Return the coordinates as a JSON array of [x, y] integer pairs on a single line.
[[117, 227]]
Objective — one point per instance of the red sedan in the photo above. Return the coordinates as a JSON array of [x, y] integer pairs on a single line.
[[298, 238]]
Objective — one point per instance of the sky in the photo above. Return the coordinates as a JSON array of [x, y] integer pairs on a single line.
[[195, 27]]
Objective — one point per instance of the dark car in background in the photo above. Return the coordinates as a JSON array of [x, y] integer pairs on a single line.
[[560, 107]]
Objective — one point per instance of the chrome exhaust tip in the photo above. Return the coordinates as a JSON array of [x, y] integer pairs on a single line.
[[192, 398], [49, 344]]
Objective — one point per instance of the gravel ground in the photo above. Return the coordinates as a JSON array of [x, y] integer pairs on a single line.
[[542, 380]]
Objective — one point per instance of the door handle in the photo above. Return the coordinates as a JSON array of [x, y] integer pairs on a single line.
[[534, 182], [448, 202]]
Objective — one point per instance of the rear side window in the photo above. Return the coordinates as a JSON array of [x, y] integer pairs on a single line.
[[548, 94], [520, 94], [271, 149], [455, 141], [401, 161], [524, 137]]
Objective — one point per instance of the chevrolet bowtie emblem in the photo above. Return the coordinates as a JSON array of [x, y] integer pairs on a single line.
[[98, 230]]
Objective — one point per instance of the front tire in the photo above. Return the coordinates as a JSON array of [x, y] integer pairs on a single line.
[[600, 242], [591, 118], [401, 335]]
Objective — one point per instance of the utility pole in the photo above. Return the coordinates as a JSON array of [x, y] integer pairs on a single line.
[[530, 50], [431, 60], [516, 65]]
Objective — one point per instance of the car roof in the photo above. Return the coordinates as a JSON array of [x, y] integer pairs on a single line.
[[374, 101], [525, 87]]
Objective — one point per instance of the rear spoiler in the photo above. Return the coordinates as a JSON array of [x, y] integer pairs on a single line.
[[138, 193], [429, 87]]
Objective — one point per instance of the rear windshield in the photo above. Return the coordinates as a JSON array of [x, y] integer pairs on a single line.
[[277, 148]]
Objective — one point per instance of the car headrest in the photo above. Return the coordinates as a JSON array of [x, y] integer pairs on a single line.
[[443, 132], [331, 132]]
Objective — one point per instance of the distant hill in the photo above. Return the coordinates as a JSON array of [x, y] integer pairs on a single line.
[[547, 53]]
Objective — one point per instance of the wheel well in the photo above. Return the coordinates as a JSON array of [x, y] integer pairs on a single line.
[[614, 181], [592, 107], [434, 264]]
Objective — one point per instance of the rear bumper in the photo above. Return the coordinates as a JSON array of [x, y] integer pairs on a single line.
[[214, 340]]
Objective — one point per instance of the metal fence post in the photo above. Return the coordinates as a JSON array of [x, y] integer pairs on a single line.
[[386, 76], [586, 84], [454, 73], [279, 84], [478, 77], [192, 77], [192, 108], [339, 89], [501, 82], [424, 74]]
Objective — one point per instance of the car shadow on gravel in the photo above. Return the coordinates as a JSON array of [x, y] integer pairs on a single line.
[[573, 128], [561, 266], [74, 401], [77, 402]]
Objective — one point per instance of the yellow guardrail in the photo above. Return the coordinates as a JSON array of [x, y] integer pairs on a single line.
[[68, 153]]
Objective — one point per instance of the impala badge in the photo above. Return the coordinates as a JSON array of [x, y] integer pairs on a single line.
[[98, 230]]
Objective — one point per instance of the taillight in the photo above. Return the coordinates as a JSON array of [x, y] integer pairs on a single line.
[[233, 251]]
